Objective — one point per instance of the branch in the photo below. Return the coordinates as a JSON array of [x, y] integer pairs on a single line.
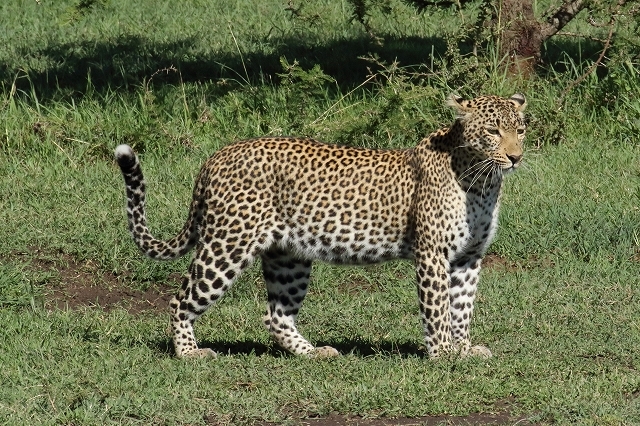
[[607, 44], [589, 71], [561, 16], [578, 35]]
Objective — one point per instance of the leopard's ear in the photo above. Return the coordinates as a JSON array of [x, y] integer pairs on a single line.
[[519, 101], [454, 100], [461, 105]]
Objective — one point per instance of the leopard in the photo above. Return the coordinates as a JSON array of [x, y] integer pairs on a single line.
[[293, 200]]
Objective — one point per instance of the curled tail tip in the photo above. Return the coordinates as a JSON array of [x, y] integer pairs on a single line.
[[123, 151], [125, 156]]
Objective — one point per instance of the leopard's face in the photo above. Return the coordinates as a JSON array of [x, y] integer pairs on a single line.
[[494, 127]]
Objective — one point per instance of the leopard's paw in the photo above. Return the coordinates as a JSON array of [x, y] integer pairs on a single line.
[[466, 350], [459, 350], [479, 351], [324, 352], [199, 353]]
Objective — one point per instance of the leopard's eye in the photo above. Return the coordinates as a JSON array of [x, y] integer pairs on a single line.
[[493, 131], [520, 131]]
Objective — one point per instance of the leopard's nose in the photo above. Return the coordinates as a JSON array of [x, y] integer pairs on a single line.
[[515, 159]]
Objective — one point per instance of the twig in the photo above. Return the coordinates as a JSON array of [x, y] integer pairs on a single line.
[[326, 113], [588, 37], [589, 71], [291, 8], [167, 70], [171, 68], [558, 17], [607, 44], [239, 53]]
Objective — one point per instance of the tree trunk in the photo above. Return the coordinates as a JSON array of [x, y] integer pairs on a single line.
[[521, 35]]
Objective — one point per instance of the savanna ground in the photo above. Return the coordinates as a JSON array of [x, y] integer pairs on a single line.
[[83, 337]]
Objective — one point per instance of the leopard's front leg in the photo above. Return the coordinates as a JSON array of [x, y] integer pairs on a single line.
[[464, 283], [433, 296]]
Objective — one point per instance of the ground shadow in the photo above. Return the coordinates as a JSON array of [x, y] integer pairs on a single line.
[[562, 54], [364, 348], [128, 61], [356, 347], [223, 347]]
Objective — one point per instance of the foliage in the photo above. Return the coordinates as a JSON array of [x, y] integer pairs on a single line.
[[301, 89], [85, 7]]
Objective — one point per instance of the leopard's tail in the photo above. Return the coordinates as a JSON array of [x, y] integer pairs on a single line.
[[136, 192]]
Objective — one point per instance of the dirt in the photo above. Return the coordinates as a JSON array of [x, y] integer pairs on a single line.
[[77, 294], [493, 261], [81, 285]]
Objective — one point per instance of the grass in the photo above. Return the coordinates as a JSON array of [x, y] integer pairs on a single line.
[[179, 81]]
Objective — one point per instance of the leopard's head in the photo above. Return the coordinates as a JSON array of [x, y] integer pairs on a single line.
[[493, 126]]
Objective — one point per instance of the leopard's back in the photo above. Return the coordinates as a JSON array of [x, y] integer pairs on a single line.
[[333, 203]]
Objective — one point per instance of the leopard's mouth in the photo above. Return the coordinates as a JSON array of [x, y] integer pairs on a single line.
[[510, 163]]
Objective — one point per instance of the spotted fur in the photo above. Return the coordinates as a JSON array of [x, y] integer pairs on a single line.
[[289, 201]]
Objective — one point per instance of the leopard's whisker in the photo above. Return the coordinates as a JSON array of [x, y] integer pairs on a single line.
[[477, 173], [470, 170], [496, 175], [486, 166], [484, 184]]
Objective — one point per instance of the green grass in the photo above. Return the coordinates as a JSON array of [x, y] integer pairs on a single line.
[[561, 316]]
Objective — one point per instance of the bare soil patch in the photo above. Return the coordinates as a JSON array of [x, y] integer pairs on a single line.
[[78, 294], [81, 284], [493, 261], [497, 262]]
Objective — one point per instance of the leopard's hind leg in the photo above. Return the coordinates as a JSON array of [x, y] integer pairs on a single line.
[[287, 281], [211, 274]]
